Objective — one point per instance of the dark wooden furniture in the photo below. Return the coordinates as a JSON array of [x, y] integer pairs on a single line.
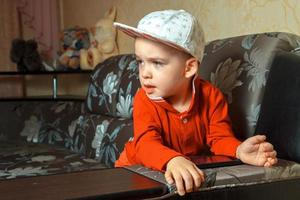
[[117, 183], [54, 75]]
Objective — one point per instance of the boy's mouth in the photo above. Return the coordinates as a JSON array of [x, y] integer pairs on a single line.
[[149, 88]]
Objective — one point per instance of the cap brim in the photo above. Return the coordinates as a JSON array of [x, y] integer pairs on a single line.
[[134, 32]]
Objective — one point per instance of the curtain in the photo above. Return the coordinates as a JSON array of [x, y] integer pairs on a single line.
[[41, 17], [27, 19], [10, 86], [9, 29]]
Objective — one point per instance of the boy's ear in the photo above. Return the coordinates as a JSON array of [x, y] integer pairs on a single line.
[[191, 67]]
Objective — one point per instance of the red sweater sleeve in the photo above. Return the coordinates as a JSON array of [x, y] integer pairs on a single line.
[[148, 143], [220, 137]]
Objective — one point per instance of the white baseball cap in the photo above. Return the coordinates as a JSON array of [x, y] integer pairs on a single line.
[[175, 28]]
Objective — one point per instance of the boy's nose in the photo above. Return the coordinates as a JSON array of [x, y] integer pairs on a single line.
[[146, 72]]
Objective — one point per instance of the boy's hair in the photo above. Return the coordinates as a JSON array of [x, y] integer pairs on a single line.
[[175, 28]]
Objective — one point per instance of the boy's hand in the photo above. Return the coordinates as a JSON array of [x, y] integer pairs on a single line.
[[256, 151], [186, 175]]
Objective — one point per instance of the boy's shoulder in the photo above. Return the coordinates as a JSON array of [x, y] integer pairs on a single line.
[[206, 86], [143, 104], [140, 93], [141, 96]]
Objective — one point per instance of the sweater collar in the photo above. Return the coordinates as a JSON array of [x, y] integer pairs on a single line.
[[165, 104]]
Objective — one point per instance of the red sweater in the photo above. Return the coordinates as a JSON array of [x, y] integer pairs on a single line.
[[162, 133]]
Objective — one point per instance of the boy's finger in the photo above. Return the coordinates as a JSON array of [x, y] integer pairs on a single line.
[[271, 154], [267, 164], [169, 177], [179, 184], [197, 175], [188, 181], [202, 175], [268, 146], [256, 139], [272, 161], [261, 137]]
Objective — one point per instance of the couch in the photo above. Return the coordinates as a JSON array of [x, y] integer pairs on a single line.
[[240, 67], [50, 137], [36, 138]]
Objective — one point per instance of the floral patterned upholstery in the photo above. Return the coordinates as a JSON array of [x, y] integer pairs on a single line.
[[49, 122], [107, 124], [239, 67], [33, 159], [112, 86], [36, 138]]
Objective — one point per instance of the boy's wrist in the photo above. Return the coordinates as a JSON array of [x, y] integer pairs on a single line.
[[237, 152]]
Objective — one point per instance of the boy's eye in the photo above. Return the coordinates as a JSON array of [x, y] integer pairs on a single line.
[[139, 62], [158, 63]]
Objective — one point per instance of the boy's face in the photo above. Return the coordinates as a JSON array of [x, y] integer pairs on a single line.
[[162, 69]]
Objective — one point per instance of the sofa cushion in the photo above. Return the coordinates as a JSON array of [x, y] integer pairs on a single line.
[[113, 85], [279, 118], [28, 159], [239, 67], [102, 137], [40, 121]]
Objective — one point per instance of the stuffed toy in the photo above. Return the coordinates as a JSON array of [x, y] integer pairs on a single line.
[[103, 42], [72, 41], [25, 54]]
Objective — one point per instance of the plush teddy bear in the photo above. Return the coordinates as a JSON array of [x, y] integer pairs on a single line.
[[72, 41], [25, 54], [103, 42]]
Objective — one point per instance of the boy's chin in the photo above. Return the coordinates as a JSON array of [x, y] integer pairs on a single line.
[[154, 96]]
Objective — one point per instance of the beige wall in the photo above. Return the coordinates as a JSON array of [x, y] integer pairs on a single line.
[[83, 13], [219, 18], [73, 13]]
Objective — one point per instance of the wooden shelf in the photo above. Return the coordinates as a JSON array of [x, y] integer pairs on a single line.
[[53, 74], [45, 98], [14, 73]]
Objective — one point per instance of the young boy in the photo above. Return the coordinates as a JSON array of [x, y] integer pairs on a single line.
[[176, 114]]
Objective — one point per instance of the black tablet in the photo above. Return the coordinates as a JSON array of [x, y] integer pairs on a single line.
[[213, 161]]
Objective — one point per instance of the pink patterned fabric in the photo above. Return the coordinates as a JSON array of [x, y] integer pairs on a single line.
[[42, 18]]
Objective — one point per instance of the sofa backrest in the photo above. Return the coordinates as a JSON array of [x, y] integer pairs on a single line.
[[239, 67], [113, 84], [39, 121]]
